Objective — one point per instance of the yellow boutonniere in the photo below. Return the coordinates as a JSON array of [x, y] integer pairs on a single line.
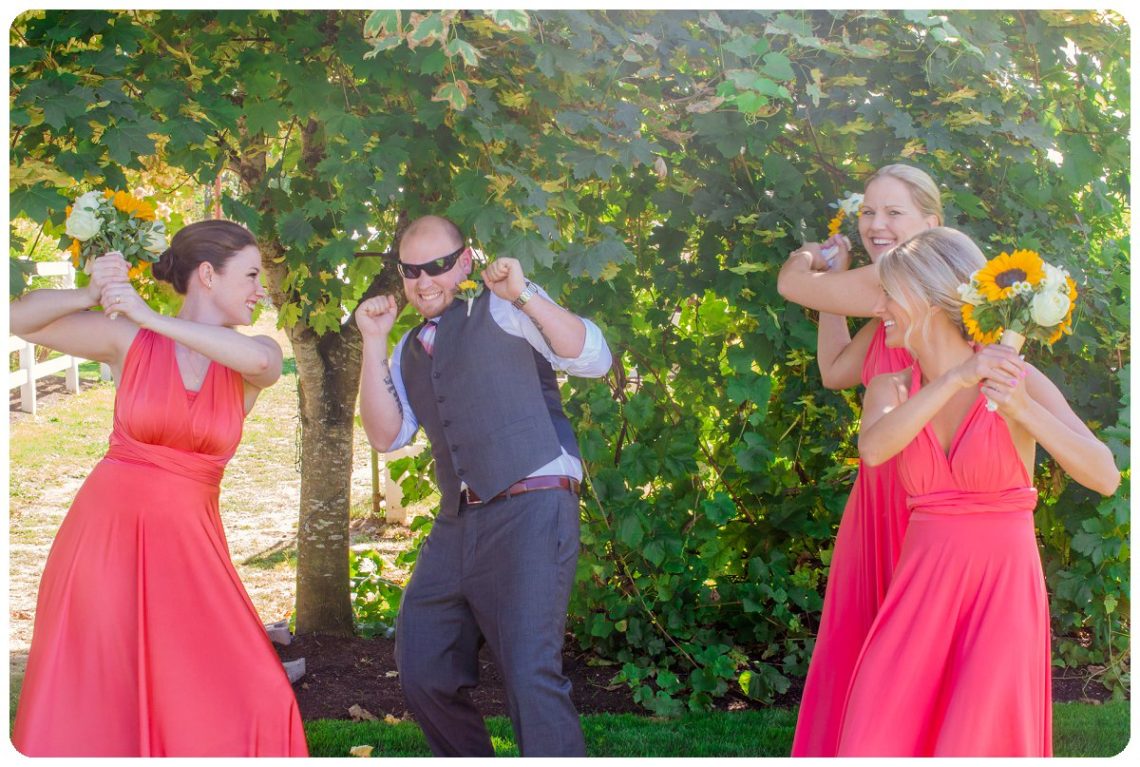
[[469, 290]]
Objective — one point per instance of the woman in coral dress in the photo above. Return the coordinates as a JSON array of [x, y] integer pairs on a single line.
[[145, 642], [957, 661], [899, 201]]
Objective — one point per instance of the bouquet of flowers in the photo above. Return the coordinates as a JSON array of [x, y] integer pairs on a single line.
[[847, 211], [101, 222], [1017, 296]]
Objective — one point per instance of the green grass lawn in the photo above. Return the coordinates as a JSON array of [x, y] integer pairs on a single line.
[[1078, 730]]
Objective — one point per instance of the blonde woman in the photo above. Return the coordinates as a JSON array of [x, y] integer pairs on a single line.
[[957, 660], [899, 201]]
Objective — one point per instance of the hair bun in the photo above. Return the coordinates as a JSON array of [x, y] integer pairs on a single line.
[[164, 266]]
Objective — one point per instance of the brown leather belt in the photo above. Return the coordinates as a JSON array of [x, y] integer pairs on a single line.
[[528, 485]]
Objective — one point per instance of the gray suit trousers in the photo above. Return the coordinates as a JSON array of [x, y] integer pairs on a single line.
[[500, 571]]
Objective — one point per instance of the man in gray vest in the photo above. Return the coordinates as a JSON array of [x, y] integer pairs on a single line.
[[498, 565]]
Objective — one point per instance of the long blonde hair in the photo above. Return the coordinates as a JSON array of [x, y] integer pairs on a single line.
[[922, 188], [925, 271]]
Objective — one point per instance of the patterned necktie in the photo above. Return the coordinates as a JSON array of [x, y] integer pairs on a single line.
[[427, 336]]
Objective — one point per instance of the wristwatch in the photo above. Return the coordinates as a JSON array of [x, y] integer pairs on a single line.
[[527, 294]]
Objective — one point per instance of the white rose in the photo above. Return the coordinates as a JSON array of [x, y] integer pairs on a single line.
[[1054, 278], [89, 201], [83, 224], [1049, 308], [155, 241], [970, 294]]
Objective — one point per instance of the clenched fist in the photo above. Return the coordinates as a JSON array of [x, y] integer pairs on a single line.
[[504, 277], [108, 269], [121, 298], [376, 316]]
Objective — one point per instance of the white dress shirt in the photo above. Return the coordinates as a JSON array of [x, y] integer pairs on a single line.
[[593, 362]]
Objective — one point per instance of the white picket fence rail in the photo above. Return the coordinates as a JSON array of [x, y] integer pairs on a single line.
[[30, 371]]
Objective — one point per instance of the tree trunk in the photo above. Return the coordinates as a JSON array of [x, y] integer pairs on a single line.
[[328, 373]]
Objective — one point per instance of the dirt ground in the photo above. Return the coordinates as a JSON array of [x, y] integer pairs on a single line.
[[345, 672]]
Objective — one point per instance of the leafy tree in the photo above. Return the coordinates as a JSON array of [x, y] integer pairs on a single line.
[[652, 169]]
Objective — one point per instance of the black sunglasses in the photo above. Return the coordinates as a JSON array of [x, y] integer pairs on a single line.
[[434, 268]]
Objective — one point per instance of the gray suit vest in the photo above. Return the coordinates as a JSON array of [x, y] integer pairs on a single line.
[[488, 402]]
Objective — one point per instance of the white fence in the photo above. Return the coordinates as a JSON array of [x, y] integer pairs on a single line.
[[385, 488], [31, 371]]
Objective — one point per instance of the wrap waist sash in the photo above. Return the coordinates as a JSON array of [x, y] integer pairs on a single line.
[[959, 502], [196, 466]]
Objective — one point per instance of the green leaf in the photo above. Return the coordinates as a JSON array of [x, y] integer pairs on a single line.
[[630, 531], [19, 270], [294, 228], [746, 45], [433, 62], [516, 21], [654, 551], [778, 66], [263, 116], [530, 249], [37, 202], [453, 94], [750, 102], [126, 140], [585, 163], [383, 44], [713, 21], [425, 30], [464, 50], [719, 509], [21, 56], [382, 24]]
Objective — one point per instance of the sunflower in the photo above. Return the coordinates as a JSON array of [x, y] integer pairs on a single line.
[[998, 278], [468, 285], [975, 330], [836, 222], [1065, 327], [132, 206]]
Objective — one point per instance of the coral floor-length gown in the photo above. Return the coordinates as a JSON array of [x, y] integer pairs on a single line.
[[145, 641], [957, 662], [866, 550]]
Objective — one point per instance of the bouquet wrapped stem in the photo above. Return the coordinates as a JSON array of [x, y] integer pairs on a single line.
[[1013, 340]]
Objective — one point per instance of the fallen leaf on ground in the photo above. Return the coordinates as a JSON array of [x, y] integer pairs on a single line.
[[364, 751], [359, 714]]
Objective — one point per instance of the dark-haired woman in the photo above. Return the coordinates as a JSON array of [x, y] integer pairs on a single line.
[[145, 641]]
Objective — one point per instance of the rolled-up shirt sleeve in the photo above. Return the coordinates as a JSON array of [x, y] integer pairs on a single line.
[[593, 362], [410, 425]]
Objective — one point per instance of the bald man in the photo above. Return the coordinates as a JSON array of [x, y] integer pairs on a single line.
[[499, 562]]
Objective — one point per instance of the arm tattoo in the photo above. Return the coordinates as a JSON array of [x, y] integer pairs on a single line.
[[391, 387], [542, 332]]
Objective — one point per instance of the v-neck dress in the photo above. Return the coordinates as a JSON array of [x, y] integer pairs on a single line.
[[145, 641], [957, 661], [866, 549]]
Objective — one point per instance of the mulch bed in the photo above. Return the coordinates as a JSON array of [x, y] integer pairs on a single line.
[[341, 672]]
